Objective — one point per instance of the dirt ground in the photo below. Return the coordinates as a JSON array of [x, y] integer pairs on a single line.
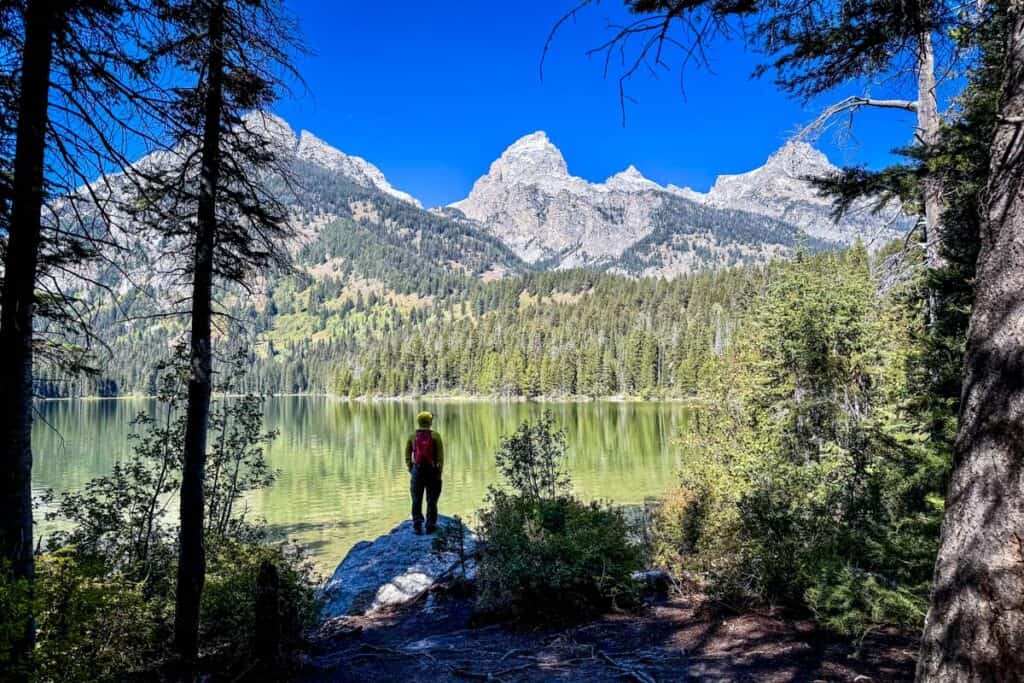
[[673, 639]]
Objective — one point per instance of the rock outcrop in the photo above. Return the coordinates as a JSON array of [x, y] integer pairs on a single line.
[[392, 570]]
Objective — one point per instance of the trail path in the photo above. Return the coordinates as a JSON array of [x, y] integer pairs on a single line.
[[683, 638]]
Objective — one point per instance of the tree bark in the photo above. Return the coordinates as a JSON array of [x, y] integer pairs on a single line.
[[975, 626], [16, 316], [928, 129], [192, 552]]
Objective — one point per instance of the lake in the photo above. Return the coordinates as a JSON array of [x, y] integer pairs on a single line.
[[342, 472]]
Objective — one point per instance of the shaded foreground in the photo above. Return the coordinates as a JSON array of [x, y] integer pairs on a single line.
[[682, 638]]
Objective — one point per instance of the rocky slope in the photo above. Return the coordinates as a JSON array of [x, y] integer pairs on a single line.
[[347, 218], [530, 201], [629, 223], [780, 190]]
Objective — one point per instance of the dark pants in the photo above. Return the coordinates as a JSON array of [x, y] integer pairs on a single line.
[[425, 479]]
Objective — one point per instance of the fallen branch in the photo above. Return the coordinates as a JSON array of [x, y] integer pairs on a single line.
[[490, 675], [633, 673], [366, 647]]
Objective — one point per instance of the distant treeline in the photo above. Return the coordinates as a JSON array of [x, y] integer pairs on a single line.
[[557, 333], [569, 333]]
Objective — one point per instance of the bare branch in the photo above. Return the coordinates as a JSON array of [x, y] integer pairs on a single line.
[[850, 105]]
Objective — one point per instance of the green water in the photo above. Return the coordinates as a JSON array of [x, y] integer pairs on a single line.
[[342, 473]]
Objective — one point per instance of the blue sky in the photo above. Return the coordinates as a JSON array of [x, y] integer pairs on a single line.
[[432, 92]]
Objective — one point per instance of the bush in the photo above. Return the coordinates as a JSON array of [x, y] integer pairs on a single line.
[[852, 603], [15, 612], [228, 609], [93, 624], [557, 558], [531, 460], [543, 552]]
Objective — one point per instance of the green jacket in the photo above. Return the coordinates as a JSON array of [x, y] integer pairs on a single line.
[[438, 450]]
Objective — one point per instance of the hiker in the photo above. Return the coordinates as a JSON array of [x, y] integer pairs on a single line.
[[424, 457]]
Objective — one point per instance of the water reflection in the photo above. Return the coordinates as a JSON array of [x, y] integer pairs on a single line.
[[343, 477]]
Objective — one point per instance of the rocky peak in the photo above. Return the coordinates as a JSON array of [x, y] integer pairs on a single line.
[[781, 178], [530, 202], [631, 180], [800, 159], [780, 190], [272, 127], [530, 159]]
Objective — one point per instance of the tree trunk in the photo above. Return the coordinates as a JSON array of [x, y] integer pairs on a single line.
[[929, 125], [267, 636], [928, 131], [928, 128], [975, 626], [16, 315], [192, 553]]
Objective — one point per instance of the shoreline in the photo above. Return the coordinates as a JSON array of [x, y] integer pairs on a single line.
[[439, 398]]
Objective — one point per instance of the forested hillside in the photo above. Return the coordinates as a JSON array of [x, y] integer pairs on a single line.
[[561, 334], [556, 333]]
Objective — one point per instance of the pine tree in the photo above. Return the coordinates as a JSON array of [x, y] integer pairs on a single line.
[[213, 200], [975, 629], [78, 60]]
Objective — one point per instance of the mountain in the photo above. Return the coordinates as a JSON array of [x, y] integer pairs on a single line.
[[348, 219], [529, 200], [363, 252], [631, 224], [779, 189], [374, 271]]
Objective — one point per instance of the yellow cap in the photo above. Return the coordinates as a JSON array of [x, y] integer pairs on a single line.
[[424, 420]]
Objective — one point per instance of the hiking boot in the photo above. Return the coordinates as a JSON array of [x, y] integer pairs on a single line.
[[431, 529], [418, 529]]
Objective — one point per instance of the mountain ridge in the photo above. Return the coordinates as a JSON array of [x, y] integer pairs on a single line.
[[529, 198], [367, 257]]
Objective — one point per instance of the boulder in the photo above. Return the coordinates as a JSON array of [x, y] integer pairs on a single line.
[[394, 569]]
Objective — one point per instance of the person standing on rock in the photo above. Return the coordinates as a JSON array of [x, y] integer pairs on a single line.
[[424, 457]]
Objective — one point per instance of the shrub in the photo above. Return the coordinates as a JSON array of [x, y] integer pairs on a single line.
[[531, 461], [15, 611], [543, 552], [852, 603], [228, 609], [554, 558], [105, 591], [94, 624]]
